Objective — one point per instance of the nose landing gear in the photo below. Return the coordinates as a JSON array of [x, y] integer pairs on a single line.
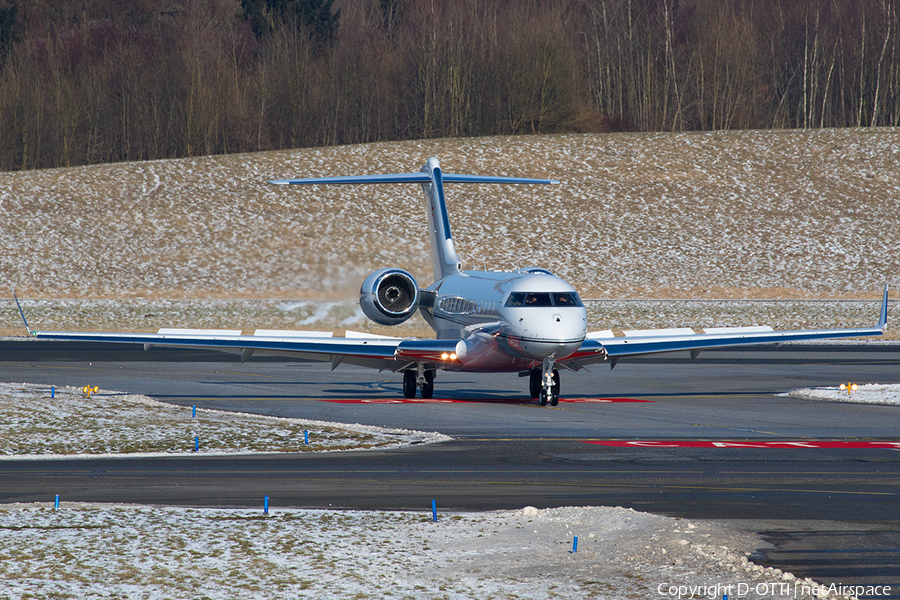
[[544, 384]]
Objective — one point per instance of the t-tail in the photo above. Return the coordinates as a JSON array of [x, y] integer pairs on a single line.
[[443, 253]]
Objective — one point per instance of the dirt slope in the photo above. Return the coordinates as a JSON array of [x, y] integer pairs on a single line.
[[757, 214]]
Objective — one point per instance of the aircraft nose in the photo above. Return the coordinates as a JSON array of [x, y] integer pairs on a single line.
[[554, 334], [541, 349]]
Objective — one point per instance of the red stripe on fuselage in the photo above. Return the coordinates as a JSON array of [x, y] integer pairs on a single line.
[[784, 444]]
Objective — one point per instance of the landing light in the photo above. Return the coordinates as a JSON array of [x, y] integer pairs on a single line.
[[450, 356]]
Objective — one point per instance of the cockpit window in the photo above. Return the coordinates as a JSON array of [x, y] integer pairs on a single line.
[[536, 299], [542, 299], [516, 299], [528, 299], [566, 299]]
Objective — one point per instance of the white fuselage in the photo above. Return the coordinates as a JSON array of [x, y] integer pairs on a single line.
[[507, 321]]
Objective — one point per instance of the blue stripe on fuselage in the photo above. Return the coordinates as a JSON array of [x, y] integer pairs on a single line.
[[442, 205]]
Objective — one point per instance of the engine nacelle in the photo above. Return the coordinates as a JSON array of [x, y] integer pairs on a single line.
[[389, 296]]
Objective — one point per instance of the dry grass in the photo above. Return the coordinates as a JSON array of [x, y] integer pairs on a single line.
[[734, 215]]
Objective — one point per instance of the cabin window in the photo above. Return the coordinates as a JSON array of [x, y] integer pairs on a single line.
[[455, 304]]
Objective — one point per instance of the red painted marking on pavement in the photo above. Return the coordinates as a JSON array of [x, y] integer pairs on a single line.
[[472, 401], [744, 444], [384, 400], [602, 400]]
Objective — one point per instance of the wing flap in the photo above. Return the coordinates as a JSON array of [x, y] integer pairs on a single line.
[[203, 332], [754, 329], [658, 332], [602, 334], [282, 333]]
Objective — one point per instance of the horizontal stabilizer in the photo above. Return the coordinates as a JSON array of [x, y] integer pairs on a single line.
[[395, 178], [410, 178], [451, 178]]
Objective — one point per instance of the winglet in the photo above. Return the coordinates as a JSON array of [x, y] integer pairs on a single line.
[[882, 320], [22, 314]]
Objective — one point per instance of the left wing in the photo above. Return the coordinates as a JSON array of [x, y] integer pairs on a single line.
[[362, 349], [603, 346]]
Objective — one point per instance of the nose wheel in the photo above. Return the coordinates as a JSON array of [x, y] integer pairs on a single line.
[[552, 397], [544, 385]]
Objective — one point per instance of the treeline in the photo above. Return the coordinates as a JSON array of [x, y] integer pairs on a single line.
[[110, 80]]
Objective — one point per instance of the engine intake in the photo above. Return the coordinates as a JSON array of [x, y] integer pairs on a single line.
[[389, 296]]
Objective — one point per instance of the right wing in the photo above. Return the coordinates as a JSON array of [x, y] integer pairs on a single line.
[[603, 346]]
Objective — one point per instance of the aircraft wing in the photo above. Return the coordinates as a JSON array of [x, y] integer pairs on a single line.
[[603, 346], [366, 350]]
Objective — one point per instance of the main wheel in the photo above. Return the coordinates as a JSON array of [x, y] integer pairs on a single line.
[[534, 383], [409, 384], [428, 387]]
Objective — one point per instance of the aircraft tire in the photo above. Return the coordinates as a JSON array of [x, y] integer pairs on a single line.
[[554, 397], [428, 388], [409, 384], [535, 383], [543, 398]]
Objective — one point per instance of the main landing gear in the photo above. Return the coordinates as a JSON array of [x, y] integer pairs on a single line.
[[544, 384], [418, 379]]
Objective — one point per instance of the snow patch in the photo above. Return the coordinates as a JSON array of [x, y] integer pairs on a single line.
[[867, 393], [114, 551], [32, 424]]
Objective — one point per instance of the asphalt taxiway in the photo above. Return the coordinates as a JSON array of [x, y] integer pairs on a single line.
[[831, 510]]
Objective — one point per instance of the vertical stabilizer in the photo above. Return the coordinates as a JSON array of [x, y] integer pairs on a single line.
[[443, 252]]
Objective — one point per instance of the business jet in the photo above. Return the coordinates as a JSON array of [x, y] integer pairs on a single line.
[[527, 321]]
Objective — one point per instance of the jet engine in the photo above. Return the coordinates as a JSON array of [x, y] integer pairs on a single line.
[[389, 296]]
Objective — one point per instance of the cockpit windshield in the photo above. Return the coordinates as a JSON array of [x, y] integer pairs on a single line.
[[566, 299], [543, 299]]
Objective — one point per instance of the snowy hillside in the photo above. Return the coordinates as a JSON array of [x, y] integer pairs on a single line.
[[759, 214]]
